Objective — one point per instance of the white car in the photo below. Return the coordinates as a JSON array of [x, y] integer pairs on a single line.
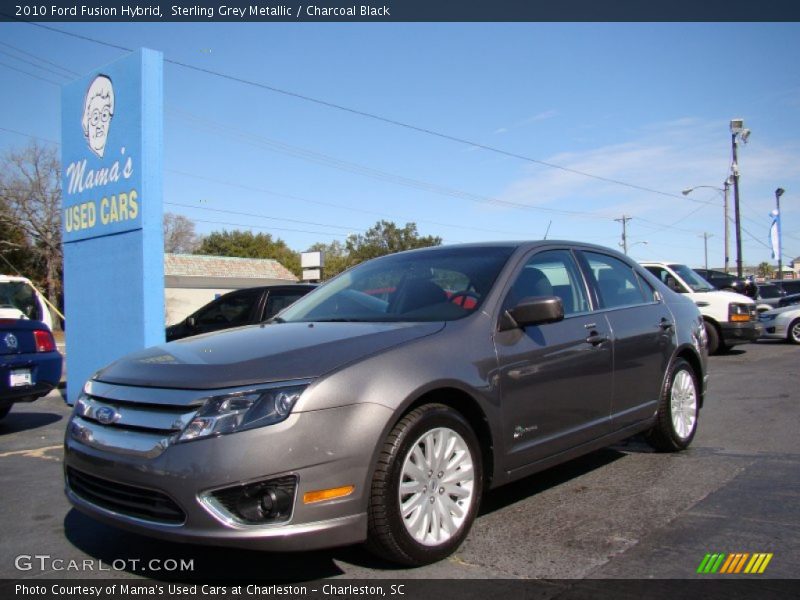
[[729, 318], [782, 323]]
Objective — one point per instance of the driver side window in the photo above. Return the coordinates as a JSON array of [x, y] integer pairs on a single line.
[[550, 273]]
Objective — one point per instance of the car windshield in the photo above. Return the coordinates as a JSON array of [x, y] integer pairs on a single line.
[[692, 279], [440, 284]]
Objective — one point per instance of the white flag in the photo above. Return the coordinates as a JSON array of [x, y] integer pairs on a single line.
[[775, 237]]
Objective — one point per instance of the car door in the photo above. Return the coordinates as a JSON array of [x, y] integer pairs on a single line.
[[555, 379], [231, 310], [643, 331]]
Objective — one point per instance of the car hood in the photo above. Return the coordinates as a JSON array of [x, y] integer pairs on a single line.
[[727, 296], [783, 310], [260, 354]]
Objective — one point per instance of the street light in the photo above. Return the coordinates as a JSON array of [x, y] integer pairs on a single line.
[[724, 191], [738, 132], [778, 194]]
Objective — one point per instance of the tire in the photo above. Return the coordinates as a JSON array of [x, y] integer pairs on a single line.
[[678, 410], [4, 410], [793, 332], [712, 333], [438, 514]]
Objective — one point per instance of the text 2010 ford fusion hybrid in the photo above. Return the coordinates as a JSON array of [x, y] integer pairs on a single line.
[[382, 405]]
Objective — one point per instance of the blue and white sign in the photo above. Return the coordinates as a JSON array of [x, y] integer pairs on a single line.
[[112, 148]]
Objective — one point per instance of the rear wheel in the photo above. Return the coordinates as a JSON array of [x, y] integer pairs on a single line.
[[676, 420], [793, 333], [426, 488], [4, 410]]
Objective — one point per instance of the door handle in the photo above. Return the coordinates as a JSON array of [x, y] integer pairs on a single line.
[[595, 339], [666, 325]]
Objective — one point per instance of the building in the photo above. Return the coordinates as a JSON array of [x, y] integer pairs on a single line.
[[192, 280]]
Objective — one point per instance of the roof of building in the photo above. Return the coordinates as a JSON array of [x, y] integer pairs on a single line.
[[198, 265]]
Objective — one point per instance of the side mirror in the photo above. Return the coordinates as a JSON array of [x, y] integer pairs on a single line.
[[533, 310], [191, 322]]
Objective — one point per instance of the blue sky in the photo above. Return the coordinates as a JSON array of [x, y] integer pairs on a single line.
[[646, 104]]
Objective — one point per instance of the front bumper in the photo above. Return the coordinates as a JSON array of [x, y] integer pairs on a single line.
[[741, 333], [776, 329], [323, 449]]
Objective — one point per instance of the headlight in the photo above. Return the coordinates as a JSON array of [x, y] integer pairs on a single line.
[[241, 411], [738, 313], [767, 317]]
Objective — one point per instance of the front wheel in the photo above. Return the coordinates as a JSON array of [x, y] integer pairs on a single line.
[[793, 333], [712, 334], [426, 488], [678, 407]]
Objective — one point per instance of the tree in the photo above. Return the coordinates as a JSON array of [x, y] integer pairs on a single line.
[[386, 238], [30, 207], [764, 270], [336, 258], [246, 244], [179, 234]]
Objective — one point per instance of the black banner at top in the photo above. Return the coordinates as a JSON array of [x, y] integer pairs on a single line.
[[398, 10]]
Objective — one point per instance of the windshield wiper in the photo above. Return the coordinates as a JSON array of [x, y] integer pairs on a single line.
[[275, 320]]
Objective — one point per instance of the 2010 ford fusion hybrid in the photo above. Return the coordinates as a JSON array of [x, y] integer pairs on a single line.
[[381, 407]]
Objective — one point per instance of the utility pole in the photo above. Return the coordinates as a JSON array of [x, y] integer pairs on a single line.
[[737, 132], [624, 243], [705, 237], [778, 194], [725, 187]]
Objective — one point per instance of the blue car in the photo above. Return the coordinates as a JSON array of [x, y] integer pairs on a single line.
[[30, 364]]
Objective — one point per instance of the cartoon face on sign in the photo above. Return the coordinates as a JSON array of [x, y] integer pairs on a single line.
[[98, 110]]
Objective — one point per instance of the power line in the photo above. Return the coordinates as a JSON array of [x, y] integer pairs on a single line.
[[259, 216], [27, 135], [376, 117], [29, 74], [33, 64], [39, 58]]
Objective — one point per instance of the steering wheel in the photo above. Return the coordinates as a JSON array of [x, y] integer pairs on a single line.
[[460, 299]]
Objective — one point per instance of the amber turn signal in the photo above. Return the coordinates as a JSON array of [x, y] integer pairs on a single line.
[[329, 494]]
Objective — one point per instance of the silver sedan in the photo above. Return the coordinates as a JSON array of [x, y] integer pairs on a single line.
[[782, 323]]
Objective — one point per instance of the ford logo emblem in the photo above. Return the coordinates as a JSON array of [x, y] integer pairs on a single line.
[[106, 415]]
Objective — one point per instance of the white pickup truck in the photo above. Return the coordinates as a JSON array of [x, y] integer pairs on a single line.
[[730, 318], [19, 299]]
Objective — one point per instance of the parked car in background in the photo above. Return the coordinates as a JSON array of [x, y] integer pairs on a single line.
[[789, 286], [380, 406], [727, 281], [768, 295], [730, 318], [789, 300], [782, 323], [240, 307], [30, 365], [19, 297]]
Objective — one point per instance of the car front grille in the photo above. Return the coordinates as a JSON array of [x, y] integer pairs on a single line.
[[132, 501]]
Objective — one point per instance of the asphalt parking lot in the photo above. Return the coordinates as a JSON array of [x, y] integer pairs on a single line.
[[623, 512]]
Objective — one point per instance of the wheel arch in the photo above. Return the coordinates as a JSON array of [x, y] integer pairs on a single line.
[[689, 354], [462, 402]]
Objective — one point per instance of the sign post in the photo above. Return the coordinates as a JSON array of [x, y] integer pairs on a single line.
[[112, 141]]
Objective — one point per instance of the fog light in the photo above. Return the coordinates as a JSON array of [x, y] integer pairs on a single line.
[[257, 503]]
